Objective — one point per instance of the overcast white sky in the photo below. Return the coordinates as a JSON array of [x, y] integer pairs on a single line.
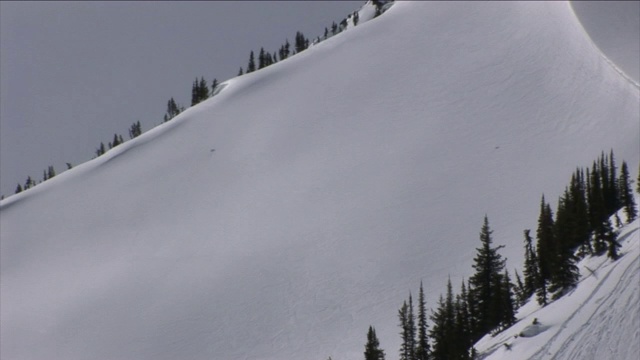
[[75, 73]]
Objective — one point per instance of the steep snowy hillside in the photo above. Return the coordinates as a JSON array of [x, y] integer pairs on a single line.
[[600, 319], [282, 217]]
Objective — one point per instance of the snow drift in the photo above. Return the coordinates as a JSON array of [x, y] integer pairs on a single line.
[[341, 177]]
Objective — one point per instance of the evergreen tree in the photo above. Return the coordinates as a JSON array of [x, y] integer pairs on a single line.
[[214, 86], [240, 73], [462, 328], [172, 110], [29, 183], [50, 172], [117, 140], [326, 33], [343, 25], [638, 181], [442, 331], [286, 50], [564, 273], [487, 283], [614, 191], [301, 43], [519, 291], [546, 251], [135, 130], [408, 330], [334, 28], [599, 220], [356, 18], [251, 67], [405, 347], [579, 214], [203, 90], [18, 189], [101, 150], [626, 194], [372, 349], [530, 272], [422, 342], [508, 306], [262, 59], [611, 239], [411, 326], [195, 93]]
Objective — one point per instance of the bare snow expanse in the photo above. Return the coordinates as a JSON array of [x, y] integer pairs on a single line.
[[341, 177]]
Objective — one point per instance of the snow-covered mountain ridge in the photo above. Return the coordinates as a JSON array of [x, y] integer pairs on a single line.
[[341, 177]]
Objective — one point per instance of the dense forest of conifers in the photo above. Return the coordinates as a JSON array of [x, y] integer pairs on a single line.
[[200, 90], [487, 302]]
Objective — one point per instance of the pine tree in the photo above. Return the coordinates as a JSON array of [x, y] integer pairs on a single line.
[[372, 349], [530, 272], [626, 194], [411, 325], [240, 73], [610, 239], [286, 49], [135, 130], [101, 150], [578, 210], [487, 283], [50, 172], [334, 28], [508, 306], [546, 251], [214, 86], [116, 141], [172, 110], [194, 92], [422, 342], [519, 291], [462, 328], [251, 67], [18, 189], [301, 43], [356, 18], [29, 183], [262, 60], [598, 217], [614, 191], [408, 330], [564, 273], [203, 90], [638, 181], [403, 316], [442, 331]]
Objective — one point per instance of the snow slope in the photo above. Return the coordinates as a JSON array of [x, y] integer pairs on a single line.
[[600, 319], [341, 177]]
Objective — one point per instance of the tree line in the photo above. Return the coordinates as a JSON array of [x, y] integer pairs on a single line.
[[488, 301], [200, 90]]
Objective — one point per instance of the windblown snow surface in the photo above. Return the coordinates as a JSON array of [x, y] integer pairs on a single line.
[[341, 178]]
